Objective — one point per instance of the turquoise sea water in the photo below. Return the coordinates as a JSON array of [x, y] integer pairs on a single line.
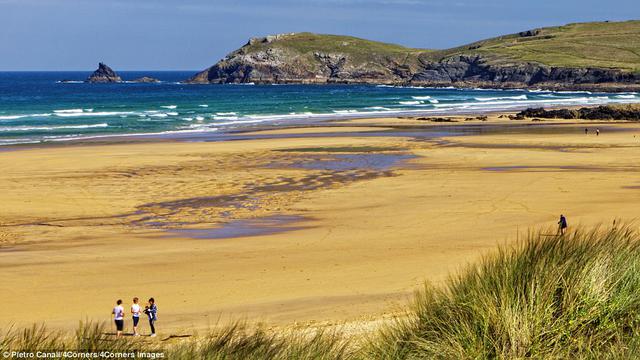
[[36, 107]]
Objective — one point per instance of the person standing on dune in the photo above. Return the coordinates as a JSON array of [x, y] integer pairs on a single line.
[[152, 312], [562, 225], [135, 315], [118, 317]]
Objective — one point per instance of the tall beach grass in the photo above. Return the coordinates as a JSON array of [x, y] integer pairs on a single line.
[[546, 297]]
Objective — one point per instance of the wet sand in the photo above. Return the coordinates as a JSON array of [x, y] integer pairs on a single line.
[[301, 225]]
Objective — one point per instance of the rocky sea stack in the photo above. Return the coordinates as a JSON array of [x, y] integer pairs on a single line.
[[103, 74], [146, 79], [552, 58]]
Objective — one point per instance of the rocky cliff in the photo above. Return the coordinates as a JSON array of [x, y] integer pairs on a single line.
[[103, 74], [498, 62], [476, 70]]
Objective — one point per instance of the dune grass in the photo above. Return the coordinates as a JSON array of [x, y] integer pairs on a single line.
[[235, 341], [546, 297], [574, 296]]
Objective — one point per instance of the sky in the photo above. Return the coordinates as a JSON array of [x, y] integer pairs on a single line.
[[194, 34]]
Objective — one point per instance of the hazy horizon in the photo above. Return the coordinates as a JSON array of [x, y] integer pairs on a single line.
[[164, 35]]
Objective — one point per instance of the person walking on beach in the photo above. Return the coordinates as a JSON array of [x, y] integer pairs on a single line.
[[152, 312], [586, 131], [562, 225], [118, 317], [135, 315], [597, 132]]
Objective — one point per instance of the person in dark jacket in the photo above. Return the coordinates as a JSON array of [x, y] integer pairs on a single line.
[[562, 225]]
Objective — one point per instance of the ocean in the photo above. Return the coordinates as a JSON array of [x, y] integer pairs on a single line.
[[36, 107]]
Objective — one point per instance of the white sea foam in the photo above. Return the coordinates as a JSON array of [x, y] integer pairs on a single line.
[[98, 113], [19, 142], [520, 97], [226, 113], [350, 111], [204, 105], [421, 97], [489, 89], [243, 121], [378, 108], [412, 87], [14, 117], [573, 92], [218, 117], [170, 107], [410, 102], [626, 96], [68, 111], [61, 127], [85, 137], [172, 113], [497, 105]]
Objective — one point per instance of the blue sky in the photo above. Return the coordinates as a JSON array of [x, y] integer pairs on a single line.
[[193, 34]]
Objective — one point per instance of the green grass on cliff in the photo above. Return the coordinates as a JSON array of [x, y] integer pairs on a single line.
[[613, 45], [599, 44], [575, 296], [358, 50]]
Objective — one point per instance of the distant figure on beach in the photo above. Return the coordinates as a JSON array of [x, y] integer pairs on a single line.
[[597, 132], [118, 317], [152, 312], [586, 131], [135, 315], [562, 225]]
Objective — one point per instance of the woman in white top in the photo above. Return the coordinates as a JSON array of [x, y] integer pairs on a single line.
[[135, 315], [118, 317]]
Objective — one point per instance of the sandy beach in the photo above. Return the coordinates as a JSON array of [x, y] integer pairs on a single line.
[[327, 224]]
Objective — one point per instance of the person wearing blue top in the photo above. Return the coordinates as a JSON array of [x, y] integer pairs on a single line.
[[152, 312]]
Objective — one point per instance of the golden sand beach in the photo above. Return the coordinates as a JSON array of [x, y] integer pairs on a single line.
[[323, 225]]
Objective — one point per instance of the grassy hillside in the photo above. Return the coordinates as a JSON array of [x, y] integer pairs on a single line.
[[359, 51], [614, 45], [356, 47]]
